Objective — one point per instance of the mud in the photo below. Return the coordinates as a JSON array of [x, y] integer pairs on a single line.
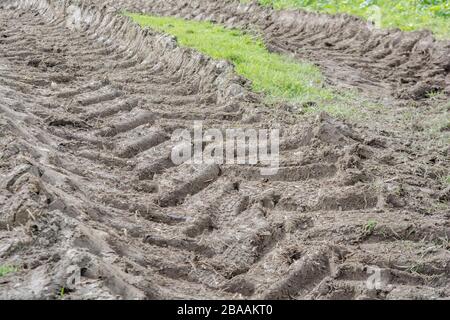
[[88, 103], [352, 53]]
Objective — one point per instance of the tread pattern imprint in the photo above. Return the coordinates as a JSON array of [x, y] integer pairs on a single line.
[[88, 104]]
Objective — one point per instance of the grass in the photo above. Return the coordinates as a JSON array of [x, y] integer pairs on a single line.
[[5, 270], [62, 293], [279, 77], [283, 79], [434, 123], [446, 180], [369, 227], [407, 15]]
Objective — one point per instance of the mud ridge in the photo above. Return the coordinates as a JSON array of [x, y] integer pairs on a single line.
[[351, 52], [87, 186]]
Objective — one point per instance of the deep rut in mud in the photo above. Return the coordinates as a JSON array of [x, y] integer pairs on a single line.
[[385, 64], [88, 105]]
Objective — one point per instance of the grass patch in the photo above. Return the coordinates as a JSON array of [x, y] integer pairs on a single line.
[[435, 123], [277, 76], [369, 227], [407, 15], [5, 270], [62, 293], [446, 180]]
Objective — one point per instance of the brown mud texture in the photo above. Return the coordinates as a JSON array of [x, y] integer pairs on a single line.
[[351, 52], [92, 207]]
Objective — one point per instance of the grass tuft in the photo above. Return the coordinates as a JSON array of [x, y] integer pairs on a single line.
[[369, 227], [5, 270]]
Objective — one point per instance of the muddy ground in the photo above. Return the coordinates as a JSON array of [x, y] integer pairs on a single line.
[[88, 103], [351, 52]]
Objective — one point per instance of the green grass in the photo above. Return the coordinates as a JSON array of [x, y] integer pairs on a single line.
[[62, 293], [446, 180], [5, 270], [369, 227], [278, 77], [407, 15]]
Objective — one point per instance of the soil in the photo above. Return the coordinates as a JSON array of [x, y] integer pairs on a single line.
[[88, 105], [351, 52]]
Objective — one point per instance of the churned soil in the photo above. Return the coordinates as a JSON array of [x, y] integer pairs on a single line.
[[88, 105]]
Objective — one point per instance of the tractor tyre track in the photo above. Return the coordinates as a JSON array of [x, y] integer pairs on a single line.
[[88, 104], [351, 52]]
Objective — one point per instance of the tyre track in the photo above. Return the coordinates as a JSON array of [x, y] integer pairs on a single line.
[[87, 180], [351, 53]]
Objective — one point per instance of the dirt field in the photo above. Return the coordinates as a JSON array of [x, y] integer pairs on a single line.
[[88, 103], [380, 62]]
